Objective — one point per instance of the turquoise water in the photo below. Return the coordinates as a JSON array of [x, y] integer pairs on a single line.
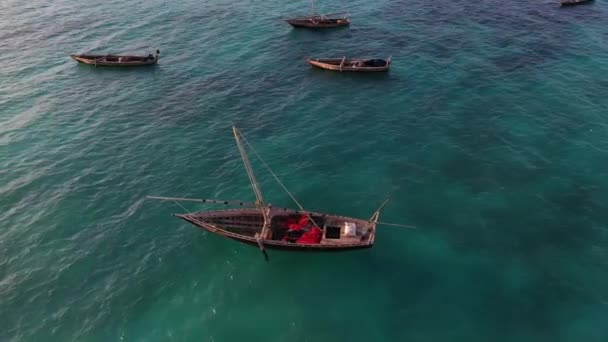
[[490, 134]]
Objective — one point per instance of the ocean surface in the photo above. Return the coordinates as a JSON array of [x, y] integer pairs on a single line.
[[489, 134]]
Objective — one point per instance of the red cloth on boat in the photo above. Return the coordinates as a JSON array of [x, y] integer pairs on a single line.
[[303, 221], [312, 236], [288, 222], [300, 224], [294, 226]]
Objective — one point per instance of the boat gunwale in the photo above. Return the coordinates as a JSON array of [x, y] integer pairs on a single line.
[[329, 16], [278, 209]]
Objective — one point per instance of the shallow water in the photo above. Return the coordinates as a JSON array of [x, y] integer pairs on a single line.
[[489, 134]]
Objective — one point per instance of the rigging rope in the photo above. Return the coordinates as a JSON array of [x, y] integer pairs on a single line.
[[254, 183], [186, 210], [272, 173]]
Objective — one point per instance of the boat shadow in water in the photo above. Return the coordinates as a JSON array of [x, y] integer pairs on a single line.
[[376, 76], [109, 71], [147, 68], [318, 30]]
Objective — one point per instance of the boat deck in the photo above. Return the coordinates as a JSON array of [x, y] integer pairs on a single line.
[[291, 227]]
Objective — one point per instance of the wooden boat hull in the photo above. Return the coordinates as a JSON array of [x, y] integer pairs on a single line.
[[318, 24], [349, 65], [304, 248], [119, 61], [245, 225], [570, 3]]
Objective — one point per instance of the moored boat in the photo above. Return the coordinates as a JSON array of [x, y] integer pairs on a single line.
[[354, 65], [266, 226], [567, 3], [117, 60], [316, 21], [319, 21]]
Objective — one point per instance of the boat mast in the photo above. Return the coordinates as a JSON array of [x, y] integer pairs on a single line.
[[314, 12], [254, 183], [256, 190]]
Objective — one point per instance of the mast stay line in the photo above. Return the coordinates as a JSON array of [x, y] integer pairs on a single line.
[[272, 173], [304, 211]]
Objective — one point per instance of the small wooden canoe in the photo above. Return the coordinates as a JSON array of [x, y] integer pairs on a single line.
[[354, 65], [318, 22], [566, 3], [117, 60]]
